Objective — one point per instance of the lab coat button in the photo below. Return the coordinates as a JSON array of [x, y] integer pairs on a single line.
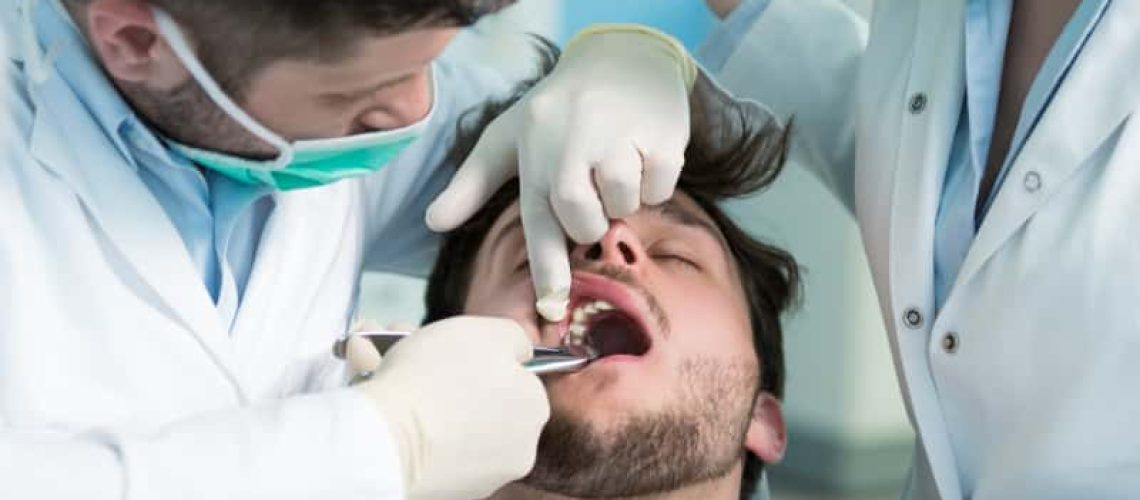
[[950, 343], [917, 103], [913, 318], [1032, 182]]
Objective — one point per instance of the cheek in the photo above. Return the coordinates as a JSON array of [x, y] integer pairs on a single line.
[[513, 300], [706, 321]]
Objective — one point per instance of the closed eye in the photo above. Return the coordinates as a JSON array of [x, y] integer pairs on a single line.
[[676, 259]]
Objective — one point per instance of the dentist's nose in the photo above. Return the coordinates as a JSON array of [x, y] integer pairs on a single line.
[[400, 106]]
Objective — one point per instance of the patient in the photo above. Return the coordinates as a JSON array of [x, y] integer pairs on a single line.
[[682, 305]]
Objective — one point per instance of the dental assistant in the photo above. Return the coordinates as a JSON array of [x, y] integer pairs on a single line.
[[189, 191], [987, 150]]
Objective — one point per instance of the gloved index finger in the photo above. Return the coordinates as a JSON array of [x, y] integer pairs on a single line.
[[492, 163], [549, 256]]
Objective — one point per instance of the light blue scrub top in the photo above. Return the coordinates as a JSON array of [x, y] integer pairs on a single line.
[[987, 24], [986, 27]]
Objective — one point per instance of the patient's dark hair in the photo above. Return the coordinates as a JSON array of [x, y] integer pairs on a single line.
[[737, 151]]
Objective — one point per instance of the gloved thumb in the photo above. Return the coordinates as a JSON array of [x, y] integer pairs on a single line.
[[361, 355], [492, 163]]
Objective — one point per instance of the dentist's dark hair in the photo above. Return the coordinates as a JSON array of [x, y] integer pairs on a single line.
[[238, 38], [736, 151]]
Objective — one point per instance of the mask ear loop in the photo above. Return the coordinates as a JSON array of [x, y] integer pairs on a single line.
[[177, 41]]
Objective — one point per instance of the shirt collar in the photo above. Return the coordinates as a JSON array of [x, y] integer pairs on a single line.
[[68, 52]]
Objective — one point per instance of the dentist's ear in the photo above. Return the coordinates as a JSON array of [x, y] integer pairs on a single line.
[[767, 436], [126, 38]]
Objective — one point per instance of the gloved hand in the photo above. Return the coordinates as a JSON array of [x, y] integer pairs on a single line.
[[604, 133], [465, 414]]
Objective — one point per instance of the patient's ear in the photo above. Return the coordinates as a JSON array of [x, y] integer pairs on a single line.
[[767, 436]]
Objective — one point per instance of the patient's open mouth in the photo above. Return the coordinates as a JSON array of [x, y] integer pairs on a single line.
[[605, 330]]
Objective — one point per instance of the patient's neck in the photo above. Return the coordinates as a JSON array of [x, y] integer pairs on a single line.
[[726, 487]]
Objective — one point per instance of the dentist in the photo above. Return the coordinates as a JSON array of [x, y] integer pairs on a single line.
[[189, 190]]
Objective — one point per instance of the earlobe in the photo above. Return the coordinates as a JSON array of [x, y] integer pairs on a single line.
[[767, 435], [125, 36]]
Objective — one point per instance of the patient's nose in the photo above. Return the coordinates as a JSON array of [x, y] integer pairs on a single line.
[[620, 247]]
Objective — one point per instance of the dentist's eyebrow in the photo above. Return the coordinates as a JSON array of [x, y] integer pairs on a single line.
[[362, 93]]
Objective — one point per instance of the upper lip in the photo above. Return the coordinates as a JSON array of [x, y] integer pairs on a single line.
[[589, 287]]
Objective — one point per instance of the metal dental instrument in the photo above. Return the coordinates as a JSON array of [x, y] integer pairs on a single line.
[[546, 359]]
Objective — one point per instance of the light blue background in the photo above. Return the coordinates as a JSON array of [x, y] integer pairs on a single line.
[[688, 20]]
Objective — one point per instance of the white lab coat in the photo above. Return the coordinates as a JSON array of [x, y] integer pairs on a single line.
[[1037, 398], [117, 378]]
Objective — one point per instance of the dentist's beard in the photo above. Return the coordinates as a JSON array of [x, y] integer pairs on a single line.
[[700, 439], [187, 115]]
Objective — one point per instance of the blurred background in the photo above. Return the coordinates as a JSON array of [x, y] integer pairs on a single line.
[[849, 437]]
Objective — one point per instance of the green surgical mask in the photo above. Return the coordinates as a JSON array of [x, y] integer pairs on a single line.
[[300, 164]]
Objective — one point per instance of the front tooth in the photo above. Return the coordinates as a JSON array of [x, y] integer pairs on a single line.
[[602, 305], [579, 315]]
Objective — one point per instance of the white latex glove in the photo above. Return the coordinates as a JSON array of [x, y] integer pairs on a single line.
[[604, 133], [361, 355], [465, 414]]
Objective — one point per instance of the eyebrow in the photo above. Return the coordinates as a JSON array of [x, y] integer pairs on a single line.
[[674, 212], [358, 94]]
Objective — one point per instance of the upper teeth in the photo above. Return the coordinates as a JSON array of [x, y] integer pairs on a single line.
[[580, 317]]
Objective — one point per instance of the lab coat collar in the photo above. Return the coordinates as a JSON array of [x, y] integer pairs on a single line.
[[68, 140], [1099, 93], [68, 52]]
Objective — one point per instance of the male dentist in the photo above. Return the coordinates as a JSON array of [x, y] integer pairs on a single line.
[[987, 149], [189, 190]]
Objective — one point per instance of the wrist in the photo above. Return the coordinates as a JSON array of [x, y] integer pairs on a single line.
[[394, 415]]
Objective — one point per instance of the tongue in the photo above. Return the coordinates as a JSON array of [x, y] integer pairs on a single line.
[[614, 334]]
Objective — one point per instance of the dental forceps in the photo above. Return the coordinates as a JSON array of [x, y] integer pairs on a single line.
[[546, 360]]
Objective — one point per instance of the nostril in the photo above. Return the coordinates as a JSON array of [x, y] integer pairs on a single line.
[[627, 253], [595, 252]]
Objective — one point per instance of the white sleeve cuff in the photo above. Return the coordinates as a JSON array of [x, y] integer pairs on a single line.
[[331, 445]]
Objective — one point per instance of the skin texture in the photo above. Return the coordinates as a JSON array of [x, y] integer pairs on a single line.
[[701, 370], [383, 83]]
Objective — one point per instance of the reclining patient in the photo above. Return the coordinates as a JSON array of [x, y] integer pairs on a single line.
[[684, 309]]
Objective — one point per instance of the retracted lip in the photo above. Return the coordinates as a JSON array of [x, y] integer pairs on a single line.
[[588, 287]]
